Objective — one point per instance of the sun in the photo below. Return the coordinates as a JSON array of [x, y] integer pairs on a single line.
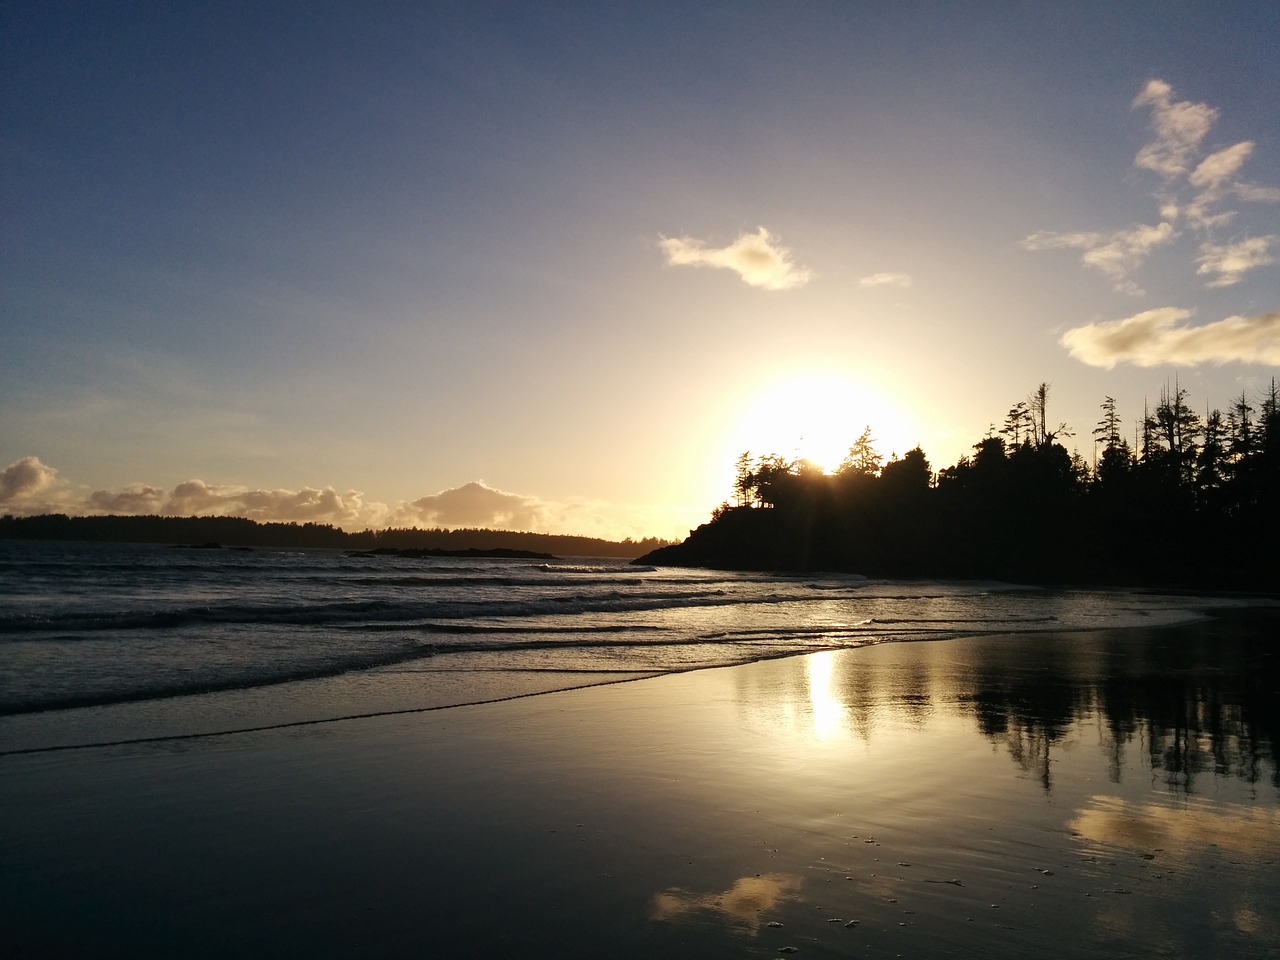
[[817, 416]]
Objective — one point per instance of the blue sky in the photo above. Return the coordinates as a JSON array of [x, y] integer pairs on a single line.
[[553, 266]]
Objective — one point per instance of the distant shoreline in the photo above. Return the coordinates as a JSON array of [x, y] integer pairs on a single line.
[[241, 532]]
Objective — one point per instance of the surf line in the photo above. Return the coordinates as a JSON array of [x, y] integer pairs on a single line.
[[173, 737]]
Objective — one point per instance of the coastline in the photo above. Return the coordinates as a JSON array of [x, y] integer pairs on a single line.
[[685, 813]]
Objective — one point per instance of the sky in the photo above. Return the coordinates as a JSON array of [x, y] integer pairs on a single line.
[[554, 266]]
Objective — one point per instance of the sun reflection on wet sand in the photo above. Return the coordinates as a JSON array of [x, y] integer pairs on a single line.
[[828, 708], [744, 902]]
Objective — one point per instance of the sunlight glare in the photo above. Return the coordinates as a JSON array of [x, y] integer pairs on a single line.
[[817, 416], [828, 710]]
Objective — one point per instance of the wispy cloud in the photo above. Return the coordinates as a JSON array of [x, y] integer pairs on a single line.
[[1162, 336], [1228, 262], [1253, 192], [886, 280], [1195, 186], [1180, 127], [1116, 254], [756, 257], [1218, 168]]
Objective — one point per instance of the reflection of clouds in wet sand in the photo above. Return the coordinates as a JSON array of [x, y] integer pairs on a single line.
[[1185, 840], [744, 902], [1247, 831]]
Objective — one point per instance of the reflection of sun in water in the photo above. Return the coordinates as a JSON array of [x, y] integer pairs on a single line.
[[817, 416], [828, 711]]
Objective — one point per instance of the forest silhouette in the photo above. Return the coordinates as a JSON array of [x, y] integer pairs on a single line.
[[1191, 501], [242, 532]]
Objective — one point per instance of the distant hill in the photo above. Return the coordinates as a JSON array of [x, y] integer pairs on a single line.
[[237, 531]]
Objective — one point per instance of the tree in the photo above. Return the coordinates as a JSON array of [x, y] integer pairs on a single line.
[[862, 459], [744, 480], [1177, 427], [1041, 436], [910, 474], [1211, 463], [1017, 424], [1107, 432]]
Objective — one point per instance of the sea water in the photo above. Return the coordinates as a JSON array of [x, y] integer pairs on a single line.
[[103, 641]]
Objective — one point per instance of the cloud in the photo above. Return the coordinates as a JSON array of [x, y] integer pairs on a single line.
[[1253, 192], [1194, 186], [136, 498], [1179, 128], [1160, 336], [25, 478], [193, 498], [1219, 167], [756, 257], [308, 505], [886, 280], [1116, 254], [1230, 261], [29, 487], [474, 505]]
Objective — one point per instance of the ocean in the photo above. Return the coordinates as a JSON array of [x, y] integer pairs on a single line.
[[118, 642], [207, 753]]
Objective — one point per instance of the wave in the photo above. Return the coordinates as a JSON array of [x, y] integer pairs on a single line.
[[369, 613], [264, 673], [261, 674]]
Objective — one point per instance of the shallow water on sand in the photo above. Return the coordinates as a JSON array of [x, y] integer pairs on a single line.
[[1097, 794], [111, 642]]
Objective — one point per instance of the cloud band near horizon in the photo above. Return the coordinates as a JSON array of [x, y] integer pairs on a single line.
[[29, 487]]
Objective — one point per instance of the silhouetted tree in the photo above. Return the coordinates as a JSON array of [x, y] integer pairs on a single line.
[[862, 459]]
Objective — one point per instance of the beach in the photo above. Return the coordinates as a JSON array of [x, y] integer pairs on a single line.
[[1080, 794]]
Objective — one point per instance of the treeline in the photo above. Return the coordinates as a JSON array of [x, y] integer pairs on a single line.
[[238, 531], [1193, 500]]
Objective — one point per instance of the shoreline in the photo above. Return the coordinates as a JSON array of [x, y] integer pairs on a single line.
[[402, 690], [688, 813]]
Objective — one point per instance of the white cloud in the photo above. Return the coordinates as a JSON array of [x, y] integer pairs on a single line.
[[473, 504], [193, 497], [1194, 186], [756, 257], [1257, 194], [1179, 128], [1221, 166], [133, 500], [1160, 336], [1116, 254], [308, 505], [886, 280], [25, 478], [1230, 261], [29, 487], [197, 498]]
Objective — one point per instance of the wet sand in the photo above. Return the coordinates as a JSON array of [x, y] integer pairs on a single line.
[[1077, 795]]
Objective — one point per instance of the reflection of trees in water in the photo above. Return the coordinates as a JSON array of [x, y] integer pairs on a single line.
[[1197, 698], [1208, 703], [1023, 692]]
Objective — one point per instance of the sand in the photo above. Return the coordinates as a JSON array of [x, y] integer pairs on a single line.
[[1082, 795]]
